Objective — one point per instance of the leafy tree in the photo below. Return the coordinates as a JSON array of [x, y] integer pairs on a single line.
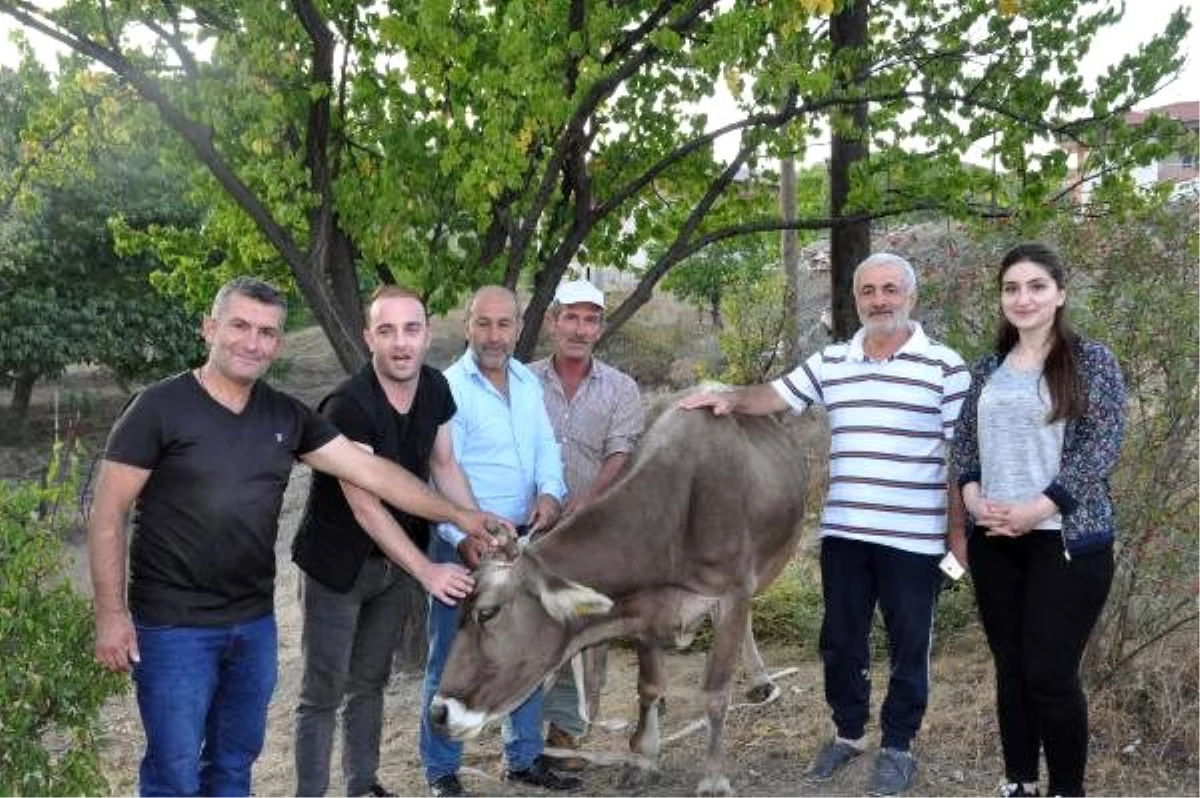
[[453, 144], [752, 341], [704, 278], [66, 295]]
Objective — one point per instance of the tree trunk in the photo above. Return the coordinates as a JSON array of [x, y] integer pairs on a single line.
[[849, 241], [545, 282], [341, 320], [789, 245], [22, 393]]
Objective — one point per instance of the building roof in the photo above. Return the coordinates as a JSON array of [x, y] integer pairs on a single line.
[[1186, 111]]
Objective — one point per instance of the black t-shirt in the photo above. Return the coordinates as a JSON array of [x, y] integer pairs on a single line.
[[330, 545], [204, 527]]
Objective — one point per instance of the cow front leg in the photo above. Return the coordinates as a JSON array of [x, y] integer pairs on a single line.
[[728, 635], [645, 739]]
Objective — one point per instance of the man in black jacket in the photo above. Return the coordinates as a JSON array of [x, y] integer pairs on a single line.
[[354, 551]]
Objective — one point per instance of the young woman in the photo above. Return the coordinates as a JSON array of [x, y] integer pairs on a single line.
[[1038, 436]]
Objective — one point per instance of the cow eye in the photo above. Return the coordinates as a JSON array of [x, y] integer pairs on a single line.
[[485, 614]]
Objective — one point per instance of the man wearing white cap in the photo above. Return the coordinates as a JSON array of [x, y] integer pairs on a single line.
[[596, 412]]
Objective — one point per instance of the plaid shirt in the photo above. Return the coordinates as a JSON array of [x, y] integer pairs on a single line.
[[605, 417]]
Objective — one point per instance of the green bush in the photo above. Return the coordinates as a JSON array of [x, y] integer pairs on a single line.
[[51, 689], [1141, 275], [789, 611], [752, 338]]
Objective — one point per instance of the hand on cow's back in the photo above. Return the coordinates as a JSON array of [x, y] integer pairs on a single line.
[[719, 404]]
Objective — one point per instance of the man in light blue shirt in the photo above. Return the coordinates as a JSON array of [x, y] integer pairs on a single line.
[[506, 446]]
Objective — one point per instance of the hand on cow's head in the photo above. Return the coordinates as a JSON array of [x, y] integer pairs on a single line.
[[505, 545], [473, 549]]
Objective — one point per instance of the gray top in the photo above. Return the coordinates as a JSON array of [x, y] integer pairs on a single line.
[[1019, 453]]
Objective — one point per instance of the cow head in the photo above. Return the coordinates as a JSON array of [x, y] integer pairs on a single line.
[[513, 631]]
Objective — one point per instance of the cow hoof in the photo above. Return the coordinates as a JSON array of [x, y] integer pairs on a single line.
[[762, 693], [714, 786]]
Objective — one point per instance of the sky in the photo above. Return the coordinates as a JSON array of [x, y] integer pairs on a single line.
[[1143, 18]]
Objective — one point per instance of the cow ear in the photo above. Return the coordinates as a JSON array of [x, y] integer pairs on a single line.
[[565, 600]]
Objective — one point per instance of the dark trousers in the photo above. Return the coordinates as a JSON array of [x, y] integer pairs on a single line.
[[855, 577], [1038, 609], [346, 645]]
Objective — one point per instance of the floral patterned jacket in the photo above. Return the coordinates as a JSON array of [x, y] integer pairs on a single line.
[[1091, 446]]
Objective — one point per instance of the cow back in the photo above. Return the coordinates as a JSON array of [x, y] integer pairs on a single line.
[[708, 505]]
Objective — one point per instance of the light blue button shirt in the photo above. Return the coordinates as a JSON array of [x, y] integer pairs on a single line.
[[506, 446]]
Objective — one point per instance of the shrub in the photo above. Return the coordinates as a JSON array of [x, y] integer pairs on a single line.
[[1142, 278], [1133, 286], [789, 611], [752, 337], [51, 690]]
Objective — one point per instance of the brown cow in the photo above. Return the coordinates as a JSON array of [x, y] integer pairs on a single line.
[[707, 514]]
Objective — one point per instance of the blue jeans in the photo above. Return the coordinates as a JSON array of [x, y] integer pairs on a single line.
[[203, 694], [855, 578], [440, 755], [346, 645]]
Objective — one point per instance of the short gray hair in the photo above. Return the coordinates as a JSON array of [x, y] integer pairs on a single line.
[[251, 287], [889, 259]]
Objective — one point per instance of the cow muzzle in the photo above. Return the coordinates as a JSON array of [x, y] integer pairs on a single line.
[[449, 718]]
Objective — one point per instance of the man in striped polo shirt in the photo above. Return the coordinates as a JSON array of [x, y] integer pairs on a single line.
[[893, 395]]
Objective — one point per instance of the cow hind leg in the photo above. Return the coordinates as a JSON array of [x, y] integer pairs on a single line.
[[645, 739], [729, 633], [762, 688], [595, 669]]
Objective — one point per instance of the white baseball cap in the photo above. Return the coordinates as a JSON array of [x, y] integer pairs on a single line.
[[573, 291]]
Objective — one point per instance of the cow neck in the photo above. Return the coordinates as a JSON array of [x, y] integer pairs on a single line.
[[577, 566]]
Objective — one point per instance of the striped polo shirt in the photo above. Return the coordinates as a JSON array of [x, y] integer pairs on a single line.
[[889, 423]]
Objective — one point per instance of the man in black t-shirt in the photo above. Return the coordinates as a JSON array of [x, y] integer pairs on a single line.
[[204, 458], [352, 549]]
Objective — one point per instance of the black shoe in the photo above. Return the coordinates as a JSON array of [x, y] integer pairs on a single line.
[[377, 790], [1017, 789], [540, 775], [832, 757], [446, 786]]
